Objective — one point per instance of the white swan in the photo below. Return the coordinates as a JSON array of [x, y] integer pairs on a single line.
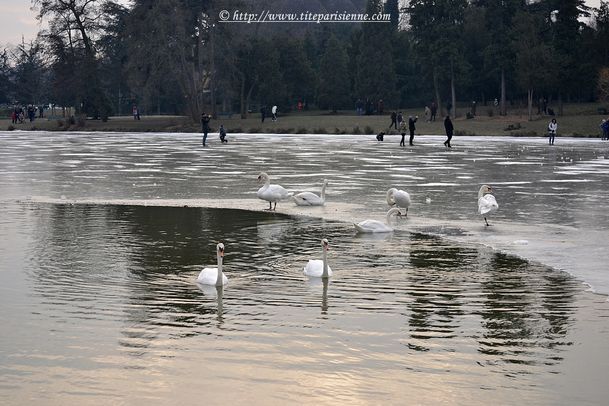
[[214, 276], [319, 268], [486, 202], [311, 199], [375, 226], [399, 199], [271, 193]]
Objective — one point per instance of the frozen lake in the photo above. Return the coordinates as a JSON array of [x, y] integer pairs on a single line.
[[100, 303]]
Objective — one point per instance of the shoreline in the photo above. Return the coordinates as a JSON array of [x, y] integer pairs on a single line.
[[575, 123]]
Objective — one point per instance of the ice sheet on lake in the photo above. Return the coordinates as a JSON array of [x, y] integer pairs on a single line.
[[552, 197]]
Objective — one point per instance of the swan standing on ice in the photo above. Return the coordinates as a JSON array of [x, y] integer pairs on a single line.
[[214, 276], [311, 199], [271, 193], [399, 199], [375, 226], [319, 268], [486, 202]]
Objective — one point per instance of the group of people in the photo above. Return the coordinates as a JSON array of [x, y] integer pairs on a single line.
[[19, 114], [430, 112], [205, 119], [369, 107], [396, 119]]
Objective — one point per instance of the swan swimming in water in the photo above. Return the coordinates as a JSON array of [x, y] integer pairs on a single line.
[[399, 199], [271, 193], [214, 276], [311, 199], [319, 268], [375, 226], [486, 202]]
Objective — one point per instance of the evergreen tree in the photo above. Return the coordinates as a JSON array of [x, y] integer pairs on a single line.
[[437, 27], [29, 74], [567, 44], [498, 54], [601, 44], [375, 78], [334, 80], [532, 55], [5, 78], [296, 70]]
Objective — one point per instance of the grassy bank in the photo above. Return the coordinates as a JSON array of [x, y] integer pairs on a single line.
[[579, 120]]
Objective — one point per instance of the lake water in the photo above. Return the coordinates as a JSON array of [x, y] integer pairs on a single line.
[[98, 262]]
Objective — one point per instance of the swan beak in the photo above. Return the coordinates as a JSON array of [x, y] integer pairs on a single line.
[[221, 252]]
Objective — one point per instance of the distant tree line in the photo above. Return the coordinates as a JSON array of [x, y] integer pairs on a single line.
[[176, 57]]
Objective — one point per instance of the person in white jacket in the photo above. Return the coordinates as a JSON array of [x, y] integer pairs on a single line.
[[552, 127], [274, 113]]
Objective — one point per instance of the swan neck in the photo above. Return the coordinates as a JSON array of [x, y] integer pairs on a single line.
[[325, 262], [219, 280], [323, 192]]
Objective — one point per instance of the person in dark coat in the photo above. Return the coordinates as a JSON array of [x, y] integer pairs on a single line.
[[434, 109], [394, 122], [448, 126], [263, 113], [205, 126], [411, 127]]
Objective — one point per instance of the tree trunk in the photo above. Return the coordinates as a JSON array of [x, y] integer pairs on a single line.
[[248, 99], [560, 104], [530, 104], [437, 90], [503, 108], [242, 98], [452, 92]]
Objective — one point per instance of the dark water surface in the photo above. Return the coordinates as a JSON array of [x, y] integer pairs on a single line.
[[100, 306]]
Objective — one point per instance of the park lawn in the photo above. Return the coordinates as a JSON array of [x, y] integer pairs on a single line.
[[580, 120]]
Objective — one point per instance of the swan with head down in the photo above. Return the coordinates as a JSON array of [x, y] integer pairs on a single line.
[[487, 204], [311, 199], [319, 268], [271, 193], [398, 198], [214, 276], [375, 226]]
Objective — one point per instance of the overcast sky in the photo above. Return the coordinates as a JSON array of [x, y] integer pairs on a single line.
[[16, 19]]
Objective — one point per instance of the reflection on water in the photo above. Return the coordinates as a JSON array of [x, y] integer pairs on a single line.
[[103, 302]]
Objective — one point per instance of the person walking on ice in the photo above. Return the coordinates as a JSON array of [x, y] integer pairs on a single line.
[[412, 128], [448, 126], [403, 129], [205, 125], [552, 128]]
